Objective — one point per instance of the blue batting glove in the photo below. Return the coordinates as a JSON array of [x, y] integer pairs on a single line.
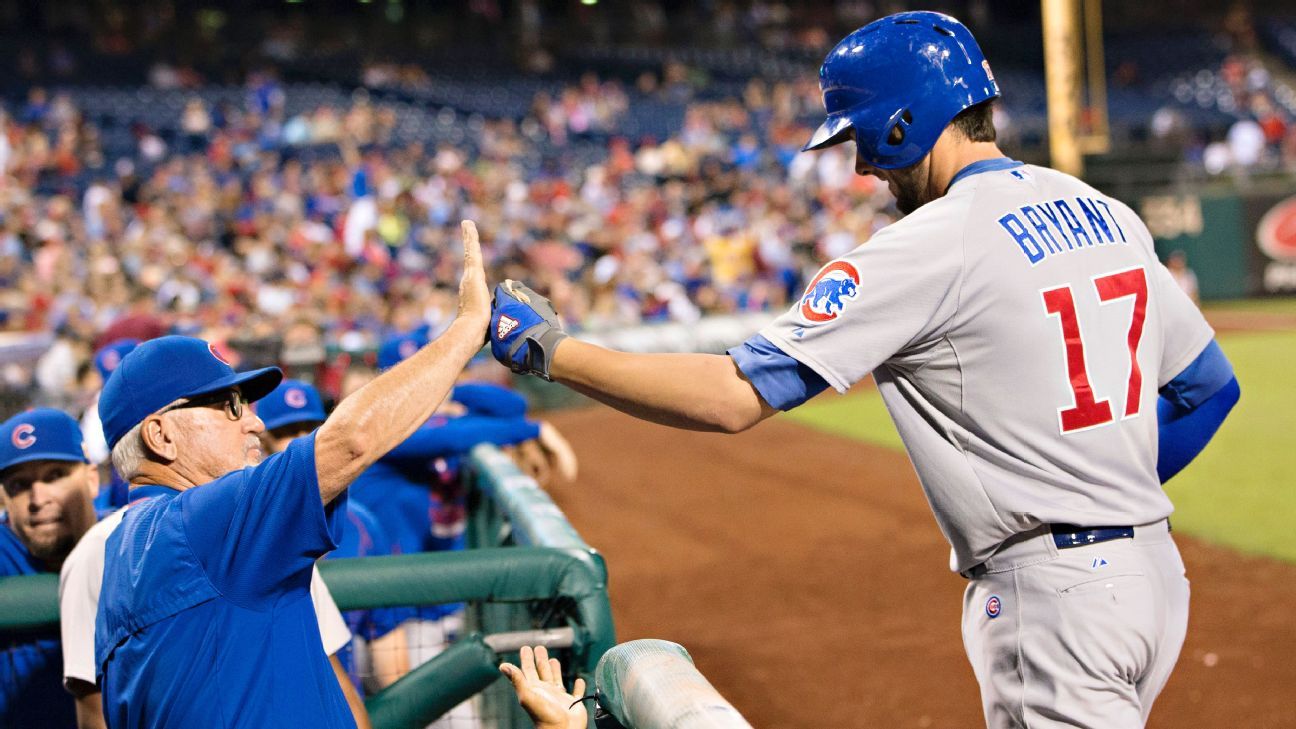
[[524, 330]]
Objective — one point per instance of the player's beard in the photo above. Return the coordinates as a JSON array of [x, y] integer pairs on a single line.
[[51, 548], [52, 542], [909, 185]]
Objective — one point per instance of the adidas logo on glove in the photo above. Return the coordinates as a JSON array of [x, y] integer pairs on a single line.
[[506, 325]]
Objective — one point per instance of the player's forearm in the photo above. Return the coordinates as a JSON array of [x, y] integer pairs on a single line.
[[385, 412], [89, 711], [692, 391], [354, 702]]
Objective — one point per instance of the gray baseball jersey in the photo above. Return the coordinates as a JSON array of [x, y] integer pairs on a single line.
[[1018, 329]]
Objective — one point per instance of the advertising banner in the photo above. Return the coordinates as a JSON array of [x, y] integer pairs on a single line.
[[1271, 244]]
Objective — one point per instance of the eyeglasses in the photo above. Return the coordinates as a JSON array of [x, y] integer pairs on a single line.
[[232, 401]]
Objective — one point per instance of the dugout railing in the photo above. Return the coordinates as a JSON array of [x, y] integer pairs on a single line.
[[653, 684], [527, 579]]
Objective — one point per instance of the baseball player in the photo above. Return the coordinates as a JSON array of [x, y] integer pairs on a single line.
[[1045, 374], [204, 615], [48, 491]]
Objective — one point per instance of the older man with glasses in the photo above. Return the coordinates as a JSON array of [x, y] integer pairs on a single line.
[[205, 616]]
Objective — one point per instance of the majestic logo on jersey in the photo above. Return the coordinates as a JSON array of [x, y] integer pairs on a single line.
[[994, 606], [296, 397], [506, 324], [1276, 233], [24, 436], [827, 294]]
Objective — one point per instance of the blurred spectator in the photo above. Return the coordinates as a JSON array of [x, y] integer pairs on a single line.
[[1177, 263], [1246, 141]]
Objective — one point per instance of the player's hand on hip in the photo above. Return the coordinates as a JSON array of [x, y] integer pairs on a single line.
[[540, 691], [524, 329], [474, 296]]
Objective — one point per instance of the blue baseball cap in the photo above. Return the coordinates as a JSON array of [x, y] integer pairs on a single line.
[[293, 401], [401, 347], [42, 434], [110, 355], [163, 370]]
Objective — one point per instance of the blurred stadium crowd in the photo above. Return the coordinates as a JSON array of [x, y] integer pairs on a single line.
[[278, 215], [285, 217]]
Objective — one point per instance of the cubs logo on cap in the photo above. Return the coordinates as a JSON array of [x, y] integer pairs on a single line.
[[407, 348], [293, 402], [211, 347], [994, 606], [295, 397], [24, 436], [109, 357], [827, 294]]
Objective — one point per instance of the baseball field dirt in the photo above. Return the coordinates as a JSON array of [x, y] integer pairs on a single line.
[[806, 575]]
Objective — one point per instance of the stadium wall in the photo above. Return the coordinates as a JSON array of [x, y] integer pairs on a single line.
[[1240, 244]]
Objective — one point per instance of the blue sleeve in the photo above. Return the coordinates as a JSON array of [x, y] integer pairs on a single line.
[[1191, 409], [482, 398], [458, 436], [782, 381], [257, 532]]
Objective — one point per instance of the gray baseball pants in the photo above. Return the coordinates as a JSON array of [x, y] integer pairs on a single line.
[[1078, 637]]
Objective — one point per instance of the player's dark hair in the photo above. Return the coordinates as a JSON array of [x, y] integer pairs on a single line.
[[977, 122]]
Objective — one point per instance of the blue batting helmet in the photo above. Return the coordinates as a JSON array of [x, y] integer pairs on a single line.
[[898, 82]]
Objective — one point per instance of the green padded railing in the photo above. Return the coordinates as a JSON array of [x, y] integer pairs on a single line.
[[536, 521], [652, 684], [509, 509], [515, 575], [28, 602]]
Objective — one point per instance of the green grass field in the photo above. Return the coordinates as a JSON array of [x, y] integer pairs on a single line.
[[1240, 492]]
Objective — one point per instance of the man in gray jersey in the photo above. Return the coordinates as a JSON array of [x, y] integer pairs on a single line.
[[1044, 371]]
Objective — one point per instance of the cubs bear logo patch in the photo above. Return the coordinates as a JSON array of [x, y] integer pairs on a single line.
[[827, 294], [994, 606], [506, 324]]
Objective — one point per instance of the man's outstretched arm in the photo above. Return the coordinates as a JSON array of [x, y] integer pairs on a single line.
[[386, 411], [693, 391]]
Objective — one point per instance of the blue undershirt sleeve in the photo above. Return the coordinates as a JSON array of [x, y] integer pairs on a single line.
[[482, 398], [458, 436], [782, 381], [1191, 408]]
